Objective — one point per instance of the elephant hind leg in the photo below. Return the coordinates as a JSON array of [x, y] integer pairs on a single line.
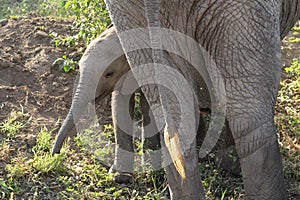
[[260, 160]]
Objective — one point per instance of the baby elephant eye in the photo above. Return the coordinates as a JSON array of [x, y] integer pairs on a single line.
[[109, 74]]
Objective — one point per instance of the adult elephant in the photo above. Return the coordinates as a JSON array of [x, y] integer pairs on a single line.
[[242, 39]]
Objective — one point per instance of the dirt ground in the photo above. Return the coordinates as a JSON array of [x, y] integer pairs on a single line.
[[31, 83]]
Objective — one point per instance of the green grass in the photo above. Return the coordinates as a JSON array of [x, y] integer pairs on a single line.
[[289, 117], [76, 174], [31, 172], [13, 125], [91, 18], [56, 8], [295, 38], [43, 161]]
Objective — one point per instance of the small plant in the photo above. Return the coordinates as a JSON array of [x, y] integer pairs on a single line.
[[66, 64], [43, 143], [297, 27], [91, 16], [155, 182], [69, 41], [100, 144], [5, 190], [43, 161], [287, 120], [18, 168], [12, 126], [295, 35], [46, 163], [294, 39], [294, 69]]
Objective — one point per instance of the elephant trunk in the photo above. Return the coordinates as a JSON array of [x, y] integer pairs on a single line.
[[85, 93], [99, 57]]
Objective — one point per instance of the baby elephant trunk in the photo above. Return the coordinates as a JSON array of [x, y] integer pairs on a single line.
[[81, 99], [101, 62]]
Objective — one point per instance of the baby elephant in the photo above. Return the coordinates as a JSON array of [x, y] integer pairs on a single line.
[[100, 77]]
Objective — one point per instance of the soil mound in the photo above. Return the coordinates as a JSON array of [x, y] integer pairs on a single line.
[[29, 80]]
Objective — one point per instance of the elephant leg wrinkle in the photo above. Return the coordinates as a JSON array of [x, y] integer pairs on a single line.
[[242, 38], [261, 163]]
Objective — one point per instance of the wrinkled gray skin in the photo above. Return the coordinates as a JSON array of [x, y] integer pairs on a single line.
[[123, 163], [243, 38], [91, 65]]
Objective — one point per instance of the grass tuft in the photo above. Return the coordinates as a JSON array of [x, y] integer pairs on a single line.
[[13, 125]]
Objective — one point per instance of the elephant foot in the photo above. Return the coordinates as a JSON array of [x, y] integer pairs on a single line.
[[121, 177], [227, 159]]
